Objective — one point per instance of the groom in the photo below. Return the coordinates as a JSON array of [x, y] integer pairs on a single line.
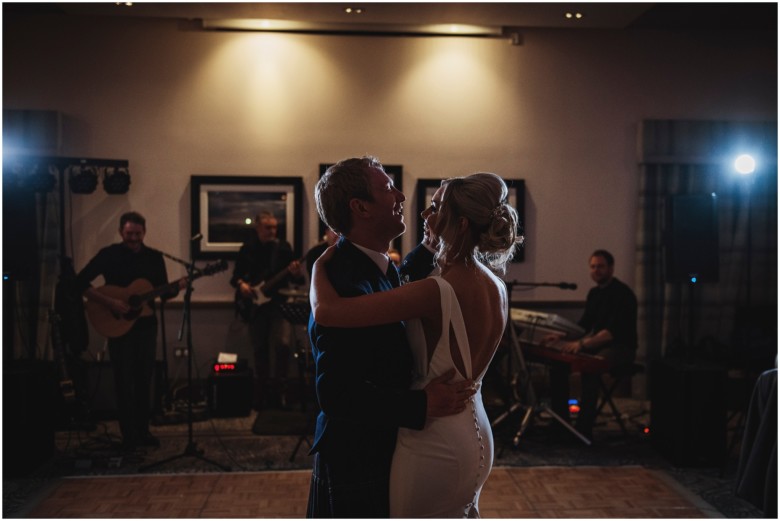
[[363, 374]]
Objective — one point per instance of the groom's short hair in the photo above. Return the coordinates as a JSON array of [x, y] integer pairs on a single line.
[[346, 180]]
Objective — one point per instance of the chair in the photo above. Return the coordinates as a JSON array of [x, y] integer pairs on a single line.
[[618, 374]]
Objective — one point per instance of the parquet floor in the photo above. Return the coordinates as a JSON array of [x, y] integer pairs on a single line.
[[511, 492]]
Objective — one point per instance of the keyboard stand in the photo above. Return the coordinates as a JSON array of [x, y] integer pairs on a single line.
[[532, 405]]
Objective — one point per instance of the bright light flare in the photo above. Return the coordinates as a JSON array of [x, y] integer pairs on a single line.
[[745, 164]]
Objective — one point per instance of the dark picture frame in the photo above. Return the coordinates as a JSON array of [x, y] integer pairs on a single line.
[[396, 173], [223, 209], [427, 187]]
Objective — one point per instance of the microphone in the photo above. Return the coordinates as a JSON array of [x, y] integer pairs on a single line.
[[196, 237], [567, 285]]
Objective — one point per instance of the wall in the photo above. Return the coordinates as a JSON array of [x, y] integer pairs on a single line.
[[560, 111]]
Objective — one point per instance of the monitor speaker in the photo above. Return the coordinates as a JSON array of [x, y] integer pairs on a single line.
[[691, 238]]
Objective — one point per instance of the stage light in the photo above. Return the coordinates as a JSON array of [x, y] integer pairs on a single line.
[[116, 180], [41, 181], [82, 180], [745, 164]]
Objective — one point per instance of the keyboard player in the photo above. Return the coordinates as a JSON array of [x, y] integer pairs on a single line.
[[609, 320]]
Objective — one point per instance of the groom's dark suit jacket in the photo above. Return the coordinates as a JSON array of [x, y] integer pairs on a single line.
[[363, 374]]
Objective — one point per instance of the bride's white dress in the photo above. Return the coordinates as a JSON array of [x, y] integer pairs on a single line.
[[439, 471]]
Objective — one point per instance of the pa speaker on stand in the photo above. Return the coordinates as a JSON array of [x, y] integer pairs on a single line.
[[691, 239], [691, 249]]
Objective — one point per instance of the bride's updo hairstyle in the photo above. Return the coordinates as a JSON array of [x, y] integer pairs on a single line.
[[491, 234]]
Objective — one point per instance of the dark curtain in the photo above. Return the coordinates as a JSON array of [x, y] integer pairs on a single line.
[[732, 320]]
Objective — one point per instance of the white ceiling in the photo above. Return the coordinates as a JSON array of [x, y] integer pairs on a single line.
[[753, 20], [505, 14]]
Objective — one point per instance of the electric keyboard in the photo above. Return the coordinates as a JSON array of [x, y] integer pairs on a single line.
[[579, 362], [535, 325]]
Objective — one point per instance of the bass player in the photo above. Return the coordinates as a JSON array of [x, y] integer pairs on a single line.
[[264, 264], [132, 353]]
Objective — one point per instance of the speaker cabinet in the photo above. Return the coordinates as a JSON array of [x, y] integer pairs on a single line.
[[688, 413], [691, 238], [230, 394], [29, 396]]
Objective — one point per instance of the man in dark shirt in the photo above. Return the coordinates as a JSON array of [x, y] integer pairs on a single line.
[[609, 322], [267, 260], [132, 354]]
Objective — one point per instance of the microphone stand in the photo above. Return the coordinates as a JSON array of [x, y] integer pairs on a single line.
[[167, 398], [191, 449]]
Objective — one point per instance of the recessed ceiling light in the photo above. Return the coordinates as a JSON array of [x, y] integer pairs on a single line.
[[353, 10], [577, 15]]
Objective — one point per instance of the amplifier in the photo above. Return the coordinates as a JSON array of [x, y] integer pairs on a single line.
[[230, 390], [688, 413]]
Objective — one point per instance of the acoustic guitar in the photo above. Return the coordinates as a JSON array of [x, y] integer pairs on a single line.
[[138, 294]]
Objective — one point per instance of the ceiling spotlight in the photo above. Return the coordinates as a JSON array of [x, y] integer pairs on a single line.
[[570, 15], [353, 10], [82, 180], [116, 180]]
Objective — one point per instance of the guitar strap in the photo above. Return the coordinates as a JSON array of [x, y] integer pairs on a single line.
[[273, 265]]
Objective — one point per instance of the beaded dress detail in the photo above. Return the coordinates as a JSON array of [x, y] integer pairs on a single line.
[[439, 471]]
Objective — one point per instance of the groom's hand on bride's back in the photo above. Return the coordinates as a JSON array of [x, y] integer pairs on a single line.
[[446, 398]]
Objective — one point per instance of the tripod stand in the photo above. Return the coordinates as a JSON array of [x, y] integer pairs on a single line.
[[191, 450], [532, 405], [521, 380]]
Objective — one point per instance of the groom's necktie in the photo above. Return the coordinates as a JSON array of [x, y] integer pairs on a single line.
[[392, 274]]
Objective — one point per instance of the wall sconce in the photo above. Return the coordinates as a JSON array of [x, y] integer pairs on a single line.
[[116, 180], [82, 179]]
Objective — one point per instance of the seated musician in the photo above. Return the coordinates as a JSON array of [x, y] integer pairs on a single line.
[[609, 320], [132, 354]]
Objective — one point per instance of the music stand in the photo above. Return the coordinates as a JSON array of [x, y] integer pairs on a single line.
[[296, 312]]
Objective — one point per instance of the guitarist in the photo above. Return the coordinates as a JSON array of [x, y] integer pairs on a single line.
[[132, 354], [259, 260]]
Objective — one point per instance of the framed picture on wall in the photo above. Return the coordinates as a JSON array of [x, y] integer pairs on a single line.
[[224, 210], [396, 174], [427, 187]]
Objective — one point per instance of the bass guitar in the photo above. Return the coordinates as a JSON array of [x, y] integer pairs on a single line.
[[138, 294], [262, 292]]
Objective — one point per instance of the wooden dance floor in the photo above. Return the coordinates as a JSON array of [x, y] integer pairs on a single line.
[[510, 492]]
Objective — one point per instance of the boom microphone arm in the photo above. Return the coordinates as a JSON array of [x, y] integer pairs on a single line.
[[561, 285]]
